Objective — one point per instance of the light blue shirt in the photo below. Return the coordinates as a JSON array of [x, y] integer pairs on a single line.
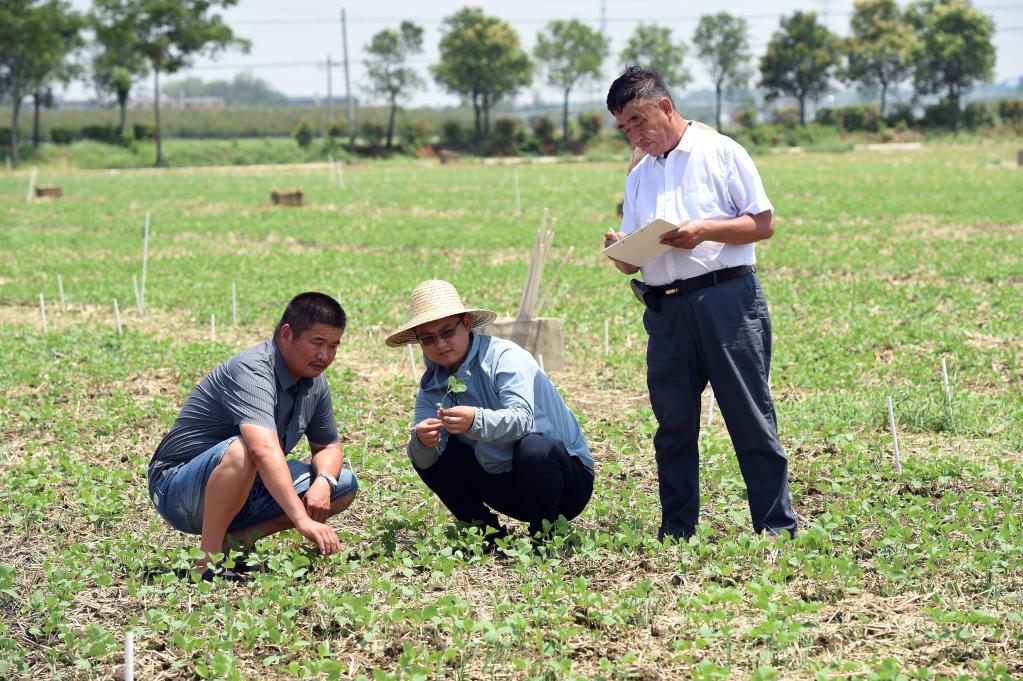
[[512, 398]]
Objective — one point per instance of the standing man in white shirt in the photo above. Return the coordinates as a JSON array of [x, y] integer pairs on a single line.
[[706, 315]]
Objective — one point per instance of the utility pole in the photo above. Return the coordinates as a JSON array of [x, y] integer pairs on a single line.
[[330, 94], [348, 86], [603, 17]]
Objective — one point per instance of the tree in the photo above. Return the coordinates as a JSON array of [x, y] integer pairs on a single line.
[[652, 47], [35, 41], [387, 69], [569, 51], [482, 60], [723, 46], [801, 58], [879, 52], [169, 34], [245, 89], [953, 50], [117, 60]]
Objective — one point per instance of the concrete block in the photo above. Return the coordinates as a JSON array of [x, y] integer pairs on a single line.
[[287, 198], [52, 191], [539, 336]]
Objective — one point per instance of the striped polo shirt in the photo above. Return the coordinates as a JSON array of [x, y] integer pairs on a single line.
[[252, 387]]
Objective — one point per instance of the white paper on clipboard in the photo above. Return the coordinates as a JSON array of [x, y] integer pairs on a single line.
[[641, 246]]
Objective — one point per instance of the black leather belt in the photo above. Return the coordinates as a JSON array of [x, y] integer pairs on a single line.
[[682, 286]]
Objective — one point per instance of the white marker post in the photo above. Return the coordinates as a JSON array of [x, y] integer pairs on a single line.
[[539, 360], [213, 329], [518, 200], [145, 262], [607, 339], [129, 656], [8, 163], [710, 407], [340, 175], [331, 168], [895, 438], [42, 312], [234, 303], [32, 185], [138, 297], [117, 314], [944, 380], [60, 288], [411, 363]]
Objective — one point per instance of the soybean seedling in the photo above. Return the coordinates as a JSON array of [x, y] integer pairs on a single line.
[[455, 385]]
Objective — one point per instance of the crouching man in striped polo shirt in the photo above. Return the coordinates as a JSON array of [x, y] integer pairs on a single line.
[[221, 471]]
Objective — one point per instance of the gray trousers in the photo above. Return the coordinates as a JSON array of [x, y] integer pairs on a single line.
[[720, 334]]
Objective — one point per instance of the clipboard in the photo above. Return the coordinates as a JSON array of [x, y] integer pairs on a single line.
[[641, 246]]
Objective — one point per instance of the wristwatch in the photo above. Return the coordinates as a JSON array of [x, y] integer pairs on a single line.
[[331, 480]]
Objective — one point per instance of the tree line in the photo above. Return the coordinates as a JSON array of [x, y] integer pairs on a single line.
[[943, 47]]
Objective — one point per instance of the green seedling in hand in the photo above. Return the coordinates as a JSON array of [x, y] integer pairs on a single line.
[[455, 385]]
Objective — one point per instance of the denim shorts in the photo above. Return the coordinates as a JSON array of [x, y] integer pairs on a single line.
[[180, 496]]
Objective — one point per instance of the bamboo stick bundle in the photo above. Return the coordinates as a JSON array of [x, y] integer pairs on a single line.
[[538, 275], [552, 286], [534, 255]]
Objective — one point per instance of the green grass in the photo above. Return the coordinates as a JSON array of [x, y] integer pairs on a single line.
[[881, 264]]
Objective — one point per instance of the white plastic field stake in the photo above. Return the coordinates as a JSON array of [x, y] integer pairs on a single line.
[[539, 360], [117, 314], [234, 303], [129, 656], [944, 380], [213, 329], [710, 407], [60, 288], [138, 296], [895, 439], [411, 363], [31, 185], [607, 339]]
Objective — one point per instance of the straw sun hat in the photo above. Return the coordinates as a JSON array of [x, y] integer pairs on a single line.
[[432, 300]]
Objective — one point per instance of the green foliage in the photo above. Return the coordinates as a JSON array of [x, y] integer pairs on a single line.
[[722, 44], [954, 48], [373, 134], [245, 89], [481, 59], [652, 46], [304, 134], [746, 118], [852, 118], [62, 135], [569, 52], [802, 57], [453, 135], [1011, 110], [387, 66], [590, 125], [168, 35], [455, 385], [880, 49]]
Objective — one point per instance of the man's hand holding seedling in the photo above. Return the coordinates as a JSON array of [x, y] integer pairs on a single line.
[[428, 432], [457, 420]]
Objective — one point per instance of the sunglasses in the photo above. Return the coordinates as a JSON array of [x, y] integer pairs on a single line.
[[447, 333]]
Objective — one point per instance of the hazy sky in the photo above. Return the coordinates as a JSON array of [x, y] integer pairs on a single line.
[[291, 40]]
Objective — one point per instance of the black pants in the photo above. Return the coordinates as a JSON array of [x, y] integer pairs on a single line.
[[722, 334], [545, 481]]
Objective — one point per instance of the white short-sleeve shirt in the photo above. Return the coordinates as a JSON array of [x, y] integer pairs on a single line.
[[708, 176]]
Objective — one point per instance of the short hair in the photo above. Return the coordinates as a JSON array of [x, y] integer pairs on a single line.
[[308, 309], [636, 83]]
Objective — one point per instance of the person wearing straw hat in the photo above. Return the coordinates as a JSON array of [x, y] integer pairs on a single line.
[[221, 471], [706, 315], [506, 442]]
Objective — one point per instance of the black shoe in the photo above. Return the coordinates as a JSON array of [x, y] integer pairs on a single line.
[[211, 573]]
